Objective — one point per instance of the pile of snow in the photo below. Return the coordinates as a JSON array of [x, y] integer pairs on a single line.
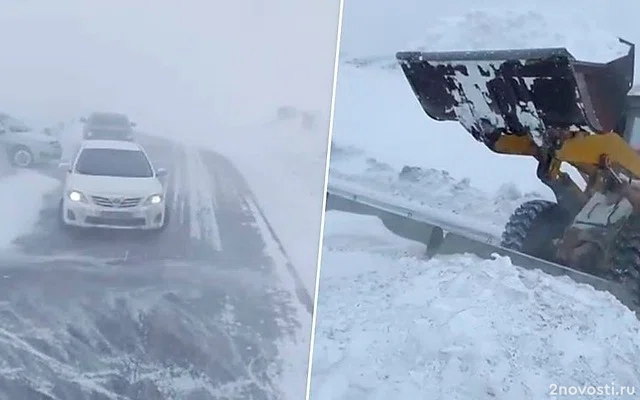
[[390, 326], [504, 29], [21, 199], [585, 27]]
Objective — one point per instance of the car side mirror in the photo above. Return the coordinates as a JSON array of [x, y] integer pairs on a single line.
[[161, 172], [65, 165], [83, 119], [133, 124]]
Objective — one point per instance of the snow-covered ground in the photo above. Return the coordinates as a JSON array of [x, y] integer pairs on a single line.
[[21, 199], [391, 324]]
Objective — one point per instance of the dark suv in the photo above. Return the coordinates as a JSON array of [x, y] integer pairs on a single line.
[[107, 126]]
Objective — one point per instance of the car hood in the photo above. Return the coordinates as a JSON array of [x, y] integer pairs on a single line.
[[35, 136], [113, 186]]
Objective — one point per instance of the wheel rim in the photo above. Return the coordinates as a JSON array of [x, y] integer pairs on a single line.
[[22, 158]]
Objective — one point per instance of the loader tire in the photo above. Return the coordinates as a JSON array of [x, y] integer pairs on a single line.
[[533, 228], [624, 254]]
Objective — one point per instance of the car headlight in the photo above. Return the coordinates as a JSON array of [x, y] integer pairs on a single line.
[[76, 197], [89, 134], [154, 199]]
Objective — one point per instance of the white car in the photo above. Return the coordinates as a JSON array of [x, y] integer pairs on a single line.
[[113, 184], [26, 147]]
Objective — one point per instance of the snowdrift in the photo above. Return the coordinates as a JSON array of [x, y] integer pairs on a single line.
[[392, 326]]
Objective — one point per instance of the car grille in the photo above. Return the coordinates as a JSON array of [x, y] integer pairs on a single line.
[[132, 222], [116, 202]]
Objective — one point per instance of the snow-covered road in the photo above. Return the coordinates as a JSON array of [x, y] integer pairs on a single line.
[[211, 299]]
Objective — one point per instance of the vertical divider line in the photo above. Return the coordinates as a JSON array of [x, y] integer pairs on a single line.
[[324, 199]]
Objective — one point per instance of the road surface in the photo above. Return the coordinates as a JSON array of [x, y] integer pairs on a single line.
[[191, 313]]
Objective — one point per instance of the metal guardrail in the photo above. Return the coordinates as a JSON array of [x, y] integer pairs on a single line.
[[446, 224]]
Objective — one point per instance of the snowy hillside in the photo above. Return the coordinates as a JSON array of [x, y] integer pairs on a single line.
[[392, 324]]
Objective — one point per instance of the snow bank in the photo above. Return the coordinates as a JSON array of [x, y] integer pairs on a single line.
[[459, 327], [429, 191], [21, 196]]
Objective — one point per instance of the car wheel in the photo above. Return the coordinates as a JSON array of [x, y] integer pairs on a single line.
[[21, 157]]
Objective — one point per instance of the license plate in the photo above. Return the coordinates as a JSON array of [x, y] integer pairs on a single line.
[[116, 214]]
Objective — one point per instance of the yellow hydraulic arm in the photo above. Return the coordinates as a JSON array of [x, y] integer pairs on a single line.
[[579, 150]]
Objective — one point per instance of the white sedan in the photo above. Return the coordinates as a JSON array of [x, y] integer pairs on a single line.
[[113, 184]]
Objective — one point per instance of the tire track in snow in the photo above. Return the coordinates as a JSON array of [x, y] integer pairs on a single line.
[[179, 191], [175, 182], [202, 204]]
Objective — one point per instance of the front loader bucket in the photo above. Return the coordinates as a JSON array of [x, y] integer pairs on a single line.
[[520, 92]]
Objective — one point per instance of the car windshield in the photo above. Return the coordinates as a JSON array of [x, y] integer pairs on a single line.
[[109, 120], [104, 131], [114, 162]]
